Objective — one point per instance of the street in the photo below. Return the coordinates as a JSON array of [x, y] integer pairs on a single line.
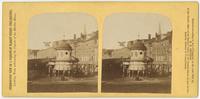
[[75, 85], [146, 86]]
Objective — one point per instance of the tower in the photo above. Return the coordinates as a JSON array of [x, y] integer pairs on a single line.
[[158, 34], [84, 34], [159, 29], [63, 58], [84, 30], [137, 59]]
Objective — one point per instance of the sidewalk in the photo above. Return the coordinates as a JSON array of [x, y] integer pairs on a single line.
[[57, 80], [145, 86]]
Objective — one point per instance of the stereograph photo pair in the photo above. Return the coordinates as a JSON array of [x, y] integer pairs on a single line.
[[95, 49]]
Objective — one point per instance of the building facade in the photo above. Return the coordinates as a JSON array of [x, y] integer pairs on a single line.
[[72, 57], [157, 55]]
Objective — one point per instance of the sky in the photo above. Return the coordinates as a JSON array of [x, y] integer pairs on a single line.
[[131, 26], [58, 26]]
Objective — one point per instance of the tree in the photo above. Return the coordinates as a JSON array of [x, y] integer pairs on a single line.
[[47, 44], [122, 44]]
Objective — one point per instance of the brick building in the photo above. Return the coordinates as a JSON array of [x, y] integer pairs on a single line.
[[83, 49], [158, 53]]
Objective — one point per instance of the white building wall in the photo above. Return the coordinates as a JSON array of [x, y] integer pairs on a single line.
[[63, 55], [138, 54], [137, 66], [62, 66], [137, 60]]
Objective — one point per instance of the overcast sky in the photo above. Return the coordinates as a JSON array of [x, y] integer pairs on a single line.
[[131, 26], [53, 26]]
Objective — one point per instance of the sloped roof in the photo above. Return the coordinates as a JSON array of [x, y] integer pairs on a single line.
[[63, 46], [137, 45]]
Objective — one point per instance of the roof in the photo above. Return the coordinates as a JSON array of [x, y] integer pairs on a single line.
[[63, 46], [116, 53], [137, 45]]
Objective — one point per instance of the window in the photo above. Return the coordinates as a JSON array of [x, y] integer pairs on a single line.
[[56, 43], [140, 53], [61, 54], [66, 53], [136, 54], [57, 54]]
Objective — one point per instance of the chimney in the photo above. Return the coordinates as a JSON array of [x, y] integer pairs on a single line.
[[149, 36], [74, 36], [158, 37]]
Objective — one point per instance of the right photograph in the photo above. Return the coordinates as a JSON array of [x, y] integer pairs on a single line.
[[137, 53]]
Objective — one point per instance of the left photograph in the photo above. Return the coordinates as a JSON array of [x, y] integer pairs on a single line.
[[62, 53]]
